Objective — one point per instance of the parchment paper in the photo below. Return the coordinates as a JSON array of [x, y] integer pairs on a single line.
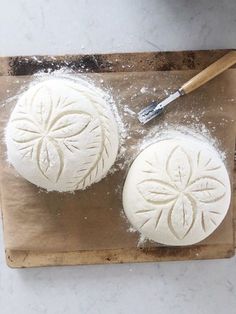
[[93, 219]]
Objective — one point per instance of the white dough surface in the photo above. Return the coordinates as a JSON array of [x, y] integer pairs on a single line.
[[177, 191], [62, 135]]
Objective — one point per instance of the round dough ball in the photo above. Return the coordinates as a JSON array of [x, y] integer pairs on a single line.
[[177, 191], [62, 135]]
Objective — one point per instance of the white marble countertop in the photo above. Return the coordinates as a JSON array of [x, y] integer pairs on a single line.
[[86, 26]]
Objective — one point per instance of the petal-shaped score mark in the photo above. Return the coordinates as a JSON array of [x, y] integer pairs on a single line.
[[42, 106], [68, 124], [181, 217], [207, 163], [157, 191], [209, 218], [207, 189], [49, 159], [26, 130], [178, 167]]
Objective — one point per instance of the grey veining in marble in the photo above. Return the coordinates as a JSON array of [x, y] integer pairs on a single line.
[[88, 26]]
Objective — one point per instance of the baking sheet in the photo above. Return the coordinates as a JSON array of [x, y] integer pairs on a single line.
[[93, 219]]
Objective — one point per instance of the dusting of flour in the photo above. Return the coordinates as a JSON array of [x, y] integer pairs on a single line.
[[159, 131]]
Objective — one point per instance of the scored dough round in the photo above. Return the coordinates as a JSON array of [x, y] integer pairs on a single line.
[[62, 135], [177, 191]]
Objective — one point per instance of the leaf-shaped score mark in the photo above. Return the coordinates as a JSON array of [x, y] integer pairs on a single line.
[[207, 189], [68, 124], [65, 125], [181, 217], [157, 191], [178, 167], [26, 130], [42, 105], [49, 159], [206, 163]]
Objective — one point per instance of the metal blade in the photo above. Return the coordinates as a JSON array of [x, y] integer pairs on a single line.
[[155, 108], [149, 112]]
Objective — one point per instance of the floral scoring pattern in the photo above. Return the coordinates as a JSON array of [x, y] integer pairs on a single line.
[[62, 135], [183, 191], [43, 127]]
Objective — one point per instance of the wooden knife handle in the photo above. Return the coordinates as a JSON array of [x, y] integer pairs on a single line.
[[209, 73]]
